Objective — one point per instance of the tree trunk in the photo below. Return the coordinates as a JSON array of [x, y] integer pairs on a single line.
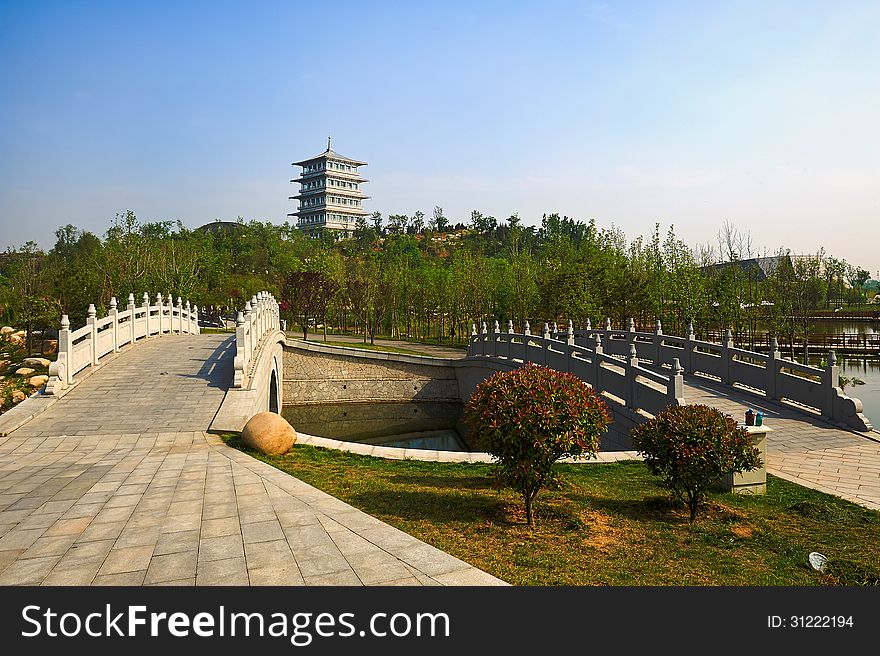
[[529, 517]]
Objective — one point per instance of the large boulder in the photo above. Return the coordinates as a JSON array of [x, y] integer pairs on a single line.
[[38, 381], [36, 362], [7, 330], [24, 371], [268, 433]]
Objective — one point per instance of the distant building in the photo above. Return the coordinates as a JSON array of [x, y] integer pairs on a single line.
[[329, 196], [222, 227]]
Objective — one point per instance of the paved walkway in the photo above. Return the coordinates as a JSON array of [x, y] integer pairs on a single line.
[[118, 484], [801, 448]]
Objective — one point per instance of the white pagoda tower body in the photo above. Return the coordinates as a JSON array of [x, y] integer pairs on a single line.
[[329, 196]]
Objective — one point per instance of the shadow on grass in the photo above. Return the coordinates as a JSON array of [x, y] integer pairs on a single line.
[[433, 507], [442, 482]]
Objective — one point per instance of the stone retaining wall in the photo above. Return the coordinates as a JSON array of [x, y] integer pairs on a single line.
[[314, 373]]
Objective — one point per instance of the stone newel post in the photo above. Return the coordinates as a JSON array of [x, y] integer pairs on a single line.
[[92, 322], [160, 312], [726, 357], [658, 343], [772, 370], [146, 306], [830, 379], [131, 310], [114, 311]]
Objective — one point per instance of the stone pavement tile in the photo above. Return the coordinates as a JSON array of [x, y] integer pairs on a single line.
[[228, 571], [28, 503], [132, 536], [43, 520], [83, 510], [296, 518], [15, 516], [73, 526], [469, 576], [108, 515], [254, 516], [377, 567], [50, 546], [92, 551], [172, 567], [221, 548], [103, 531], [267, 554], [320, 565], [127, 559], [117, 501], [410, 581], [179, 582], [79, 575], [187, 522], [28, 572], [123, 578], [8, 557], [423, 579], [262, 531], [20, 538], [177, 541], [430, 560], [281, 574], [212, 528], [344, 577]]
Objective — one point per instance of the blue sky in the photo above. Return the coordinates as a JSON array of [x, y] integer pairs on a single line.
[[761, 113]]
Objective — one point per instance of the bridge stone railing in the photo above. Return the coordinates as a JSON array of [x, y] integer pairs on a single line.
[[261, 316], [84, 347], [624, 379], [813, 389]]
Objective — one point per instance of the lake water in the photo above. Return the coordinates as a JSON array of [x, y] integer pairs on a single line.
[[411, 425]]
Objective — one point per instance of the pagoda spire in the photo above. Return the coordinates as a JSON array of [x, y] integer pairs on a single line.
[[328, 143]]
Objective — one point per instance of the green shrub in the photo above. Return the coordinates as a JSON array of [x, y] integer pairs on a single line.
[[693, 446], [529, 418]]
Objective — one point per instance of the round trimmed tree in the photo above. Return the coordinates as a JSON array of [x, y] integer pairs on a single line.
[[531, 417], [693, 446]]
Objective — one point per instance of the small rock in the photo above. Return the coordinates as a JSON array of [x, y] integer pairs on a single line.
[[19, 333], [38, 381], [7, 330], [268, 433], [3, 364], [18, 396], [24, 371], [16, 340], [36, 362]]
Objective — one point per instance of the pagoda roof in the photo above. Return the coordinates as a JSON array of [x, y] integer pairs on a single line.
[[329, 154]]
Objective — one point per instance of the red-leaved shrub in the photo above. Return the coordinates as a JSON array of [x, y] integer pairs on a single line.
[[529, 418], [691, 447]]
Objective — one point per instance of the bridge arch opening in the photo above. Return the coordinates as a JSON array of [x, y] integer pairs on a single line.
[[274, 405]]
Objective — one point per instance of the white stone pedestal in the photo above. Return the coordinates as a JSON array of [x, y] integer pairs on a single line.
[[755, 481]]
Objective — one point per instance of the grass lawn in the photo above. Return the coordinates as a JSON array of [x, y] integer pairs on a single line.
[[608, 524]]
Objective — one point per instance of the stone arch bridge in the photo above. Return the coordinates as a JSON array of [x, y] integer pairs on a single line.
[[114, 478]]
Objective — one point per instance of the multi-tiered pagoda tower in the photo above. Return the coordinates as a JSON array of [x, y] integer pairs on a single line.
[[329, 197]]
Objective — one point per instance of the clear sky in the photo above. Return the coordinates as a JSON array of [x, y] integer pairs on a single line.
[[766, 114]]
